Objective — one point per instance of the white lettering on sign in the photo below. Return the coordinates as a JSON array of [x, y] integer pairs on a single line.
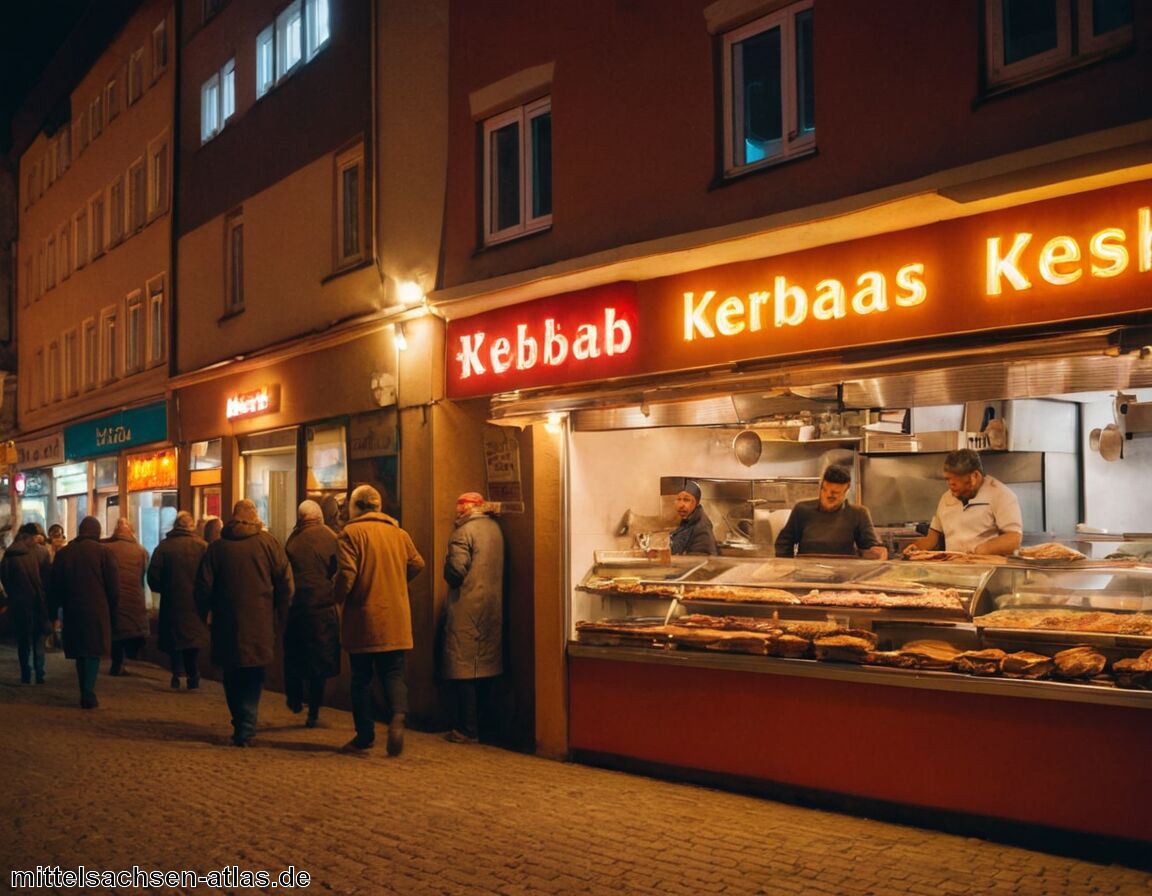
[[791, 305], [247, 404], [1060, 261], [543, 345]]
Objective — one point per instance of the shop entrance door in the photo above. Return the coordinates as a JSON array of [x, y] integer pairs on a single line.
[[270, 479]]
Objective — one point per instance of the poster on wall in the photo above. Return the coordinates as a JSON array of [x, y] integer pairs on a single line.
[[502, 461]]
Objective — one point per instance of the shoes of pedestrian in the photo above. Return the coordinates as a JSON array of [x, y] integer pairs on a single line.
[[193, 683], [311, 722], [459, 737], [396, 734], [89, 701], [26, 679], [357, 746], [241, 741], [295, 705], [175, 682], [121, 671], [39, 679]]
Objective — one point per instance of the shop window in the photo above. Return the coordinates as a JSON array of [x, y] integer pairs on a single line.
[[134, 332], [137, 196], [327, 460], [1032, 39], [90, 354], [207, 455], [109, 354], [350, 189], [518, 171], [769, 97], [234, 263], [157, 345], [158, 176]]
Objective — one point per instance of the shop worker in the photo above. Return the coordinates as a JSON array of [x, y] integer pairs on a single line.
[[694, 534], [977, 515], [830, 524]]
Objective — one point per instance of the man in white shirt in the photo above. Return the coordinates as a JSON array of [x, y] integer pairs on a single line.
[[977, 515]]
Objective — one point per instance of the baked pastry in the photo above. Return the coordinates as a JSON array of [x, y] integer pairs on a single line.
[[1079, 662], [1050, 550], [1025, 664], [929, 654], [979, 662]]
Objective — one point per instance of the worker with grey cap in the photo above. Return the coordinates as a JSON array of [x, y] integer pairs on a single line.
[[694, 534]]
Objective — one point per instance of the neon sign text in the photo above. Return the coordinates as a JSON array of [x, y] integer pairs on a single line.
[[264, 400]]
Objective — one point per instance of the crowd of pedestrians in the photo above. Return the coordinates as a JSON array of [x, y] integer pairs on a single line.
[[336, 585]]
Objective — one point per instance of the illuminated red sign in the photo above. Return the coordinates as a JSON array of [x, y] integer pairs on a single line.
[[575, 337]]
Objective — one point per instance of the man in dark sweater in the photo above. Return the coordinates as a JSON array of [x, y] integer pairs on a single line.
[[829, 524]]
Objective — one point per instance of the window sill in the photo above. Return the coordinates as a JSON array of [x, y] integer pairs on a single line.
[[1011, 85], [515, 238], [229, 315], [351, 268], [725, 179]]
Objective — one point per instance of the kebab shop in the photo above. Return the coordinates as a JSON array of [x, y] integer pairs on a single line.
[[878, 354]]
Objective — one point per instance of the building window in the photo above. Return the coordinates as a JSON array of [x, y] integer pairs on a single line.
[[80, 126], [112, 99], [350, 234], [157, 321], [116, 211], [65, 252], [209, 8], [137, 196], [96, 218], [134, 332], [71, 363], [234, 262], [159, 49], [38, 400], [108, 353], [1031, 39], [50, 262], [769, 97], [65, 147], [80, 237], [289, 39], [53, 371], [217, 101], [96, 115], [90, 348], [158, 176], [135, 76], [518, 171], [265, 61], [317, 24]]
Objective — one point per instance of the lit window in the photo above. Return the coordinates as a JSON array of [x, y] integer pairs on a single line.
[[316, 13], [518, 171], [265, 60], [350, 206], [234, 262], [227, 91], [109, 356], [769, 97], [157, 322], [289, 39], [134, 332], [209, 108], [1030, 39]]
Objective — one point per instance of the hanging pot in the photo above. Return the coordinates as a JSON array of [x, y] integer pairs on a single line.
[[747, 447]]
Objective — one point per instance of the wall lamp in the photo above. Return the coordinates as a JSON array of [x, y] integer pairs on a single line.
[[399, 337]]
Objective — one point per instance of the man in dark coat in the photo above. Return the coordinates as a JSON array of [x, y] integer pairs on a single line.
[[86, 584], [312, 638], [244, 583], [180, 632], [130, 623], [473, 643], [24, 572], [694, 534]]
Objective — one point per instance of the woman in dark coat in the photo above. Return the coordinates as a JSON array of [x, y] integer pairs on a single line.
[[312, 637], [130, 622], [180, 631], [86, 584], [24, 573]]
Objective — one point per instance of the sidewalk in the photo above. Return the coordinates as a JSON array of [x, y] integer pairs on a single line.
[[149, 779]]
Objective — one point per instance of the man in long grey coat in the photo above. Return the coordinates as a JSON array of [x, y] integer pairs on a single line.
[[473, 643], [244, 583], [86, 584], [180, 632]]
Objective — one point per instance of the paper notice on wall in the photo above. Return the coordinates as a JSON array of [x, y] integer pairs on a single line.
[[502, 460]]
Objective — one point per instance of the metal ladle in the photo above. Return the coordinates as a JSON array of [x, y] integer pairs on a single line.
[[747, 447]]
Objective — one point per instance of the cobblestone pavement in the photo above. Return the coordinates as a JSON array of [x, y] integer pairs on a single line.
[[150, 780]]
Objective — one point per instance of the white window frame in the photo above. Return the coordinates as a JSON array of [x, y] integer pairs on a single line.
[[137, 196], [290, 50], [90, 354], [318, 25], [210, 108], [98, 231], [134, 332], [233, 266], [523, 117], [156, 321], [793, 143], [1075, 44], [159, 176], [227, 91], [265, 60], [116, 216], [109, 344], [349, 160]]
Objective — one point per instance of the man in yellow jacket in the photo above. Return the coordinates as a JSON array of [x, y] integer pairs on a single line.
[[377, 559]]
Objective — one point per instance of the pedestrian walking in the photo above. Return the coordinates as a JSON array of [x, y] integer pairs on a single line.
[[56, 539], [472, 645], [244, 584], [312, 636], [377, 559], [130, 627], [25, 571], [212, 527], [85, 584], [180, 632]]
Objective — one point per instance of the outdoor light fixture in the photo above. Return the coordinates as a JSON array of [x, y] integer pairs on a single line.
[[555, 418], [399, 337], [409, 293]]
